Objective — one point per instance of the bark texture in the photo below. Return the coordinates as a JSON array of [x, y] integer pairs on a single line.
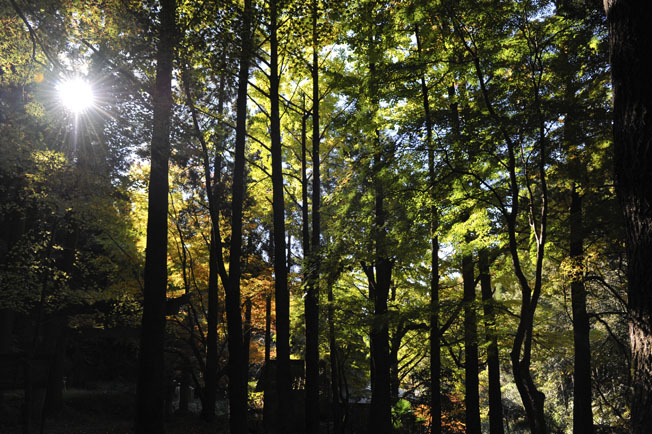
[[630, 36]]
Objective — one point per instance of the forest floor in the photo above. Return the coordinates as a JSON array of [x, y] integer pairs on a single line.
[[99, 412]]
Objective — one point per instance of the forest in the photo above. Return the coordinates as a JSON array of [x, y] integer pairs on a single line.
[[325, 216]]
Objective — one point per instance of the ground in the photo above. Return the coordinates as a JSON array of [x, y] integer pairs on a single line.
[[99, 411]]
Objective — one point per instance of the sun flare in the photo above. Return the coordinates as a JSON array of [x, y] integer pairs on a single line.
[[76, 95]]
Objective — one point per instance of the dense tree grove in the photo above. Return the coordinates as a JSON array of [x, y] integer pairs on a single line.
[[351, 217]]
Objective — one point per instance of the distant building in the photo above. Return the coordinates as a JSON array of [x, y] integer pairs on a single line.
[[267, 385]]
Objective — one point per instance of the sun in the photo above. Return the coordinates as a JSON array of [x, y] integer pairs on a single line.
[[76, 95]]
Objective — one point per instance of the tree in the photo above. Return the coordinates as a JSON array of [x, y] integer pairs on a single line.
[[314, 262], [278, 203], [151, 374], [237, 373], [629, 32]]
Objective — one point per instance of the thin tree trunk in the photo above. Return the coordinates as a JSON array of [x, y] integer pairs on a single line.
[[150, 392], [278, 205], [630, 36], [247, 341], [582, 411], [521, 353], [268, 326], [312, 293], [472, 395], [395, 343], [493, 361], [237, 388], [216, 260], [305, 223], [215, 265], [210, 373], [435, 352], [336, 405]]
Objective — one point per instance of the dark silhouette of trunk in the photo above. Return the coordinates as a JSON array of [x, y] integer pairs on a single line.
[[493, 361], [472, 395], [278, 205], [7, 320], [216, 260], [312, 291], [12, 227], [379, 276], [395, 345], [582, 412], [210, 372], [379, 281], [288, 255], [189, 324], [247, 341], [268, 326], [237, 386], [336, 401], [435, 352], [394, 381], [630, 36], [150, 392], [305, 223]]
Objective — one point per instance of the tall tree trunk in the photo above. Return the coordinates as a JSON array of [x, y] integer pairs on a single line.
[[582, 412], [305, 223], [215, 262], [210, 372], [394, 381], [493, 360], [336, 404], [379, 282], [630, 36], [268, 326], [435, 352], [278, 205], [472, 395], [150, 392], [247, 341], [7, 317], [312, 293], [237, 387], [379, 276]]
